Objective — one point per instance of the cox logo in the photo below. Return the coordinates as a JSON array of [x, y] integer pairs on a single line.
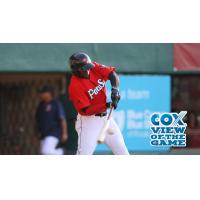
[[168, 119]]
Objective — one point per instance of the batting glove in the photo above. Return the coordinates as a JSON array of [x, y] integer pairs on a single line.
[[108, 104]]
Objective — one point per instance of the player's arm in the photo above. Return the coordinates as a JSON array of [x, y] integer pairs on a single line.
[[64, 130], [63, 122], [114, 81], [108, 73]]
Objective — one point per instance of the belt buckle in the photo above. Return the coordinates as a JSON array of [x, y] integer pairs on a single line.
[[102, 114]]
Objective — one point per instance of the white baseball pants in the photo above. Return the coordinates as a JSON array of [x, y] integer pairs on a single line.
[[48, 146], [88, 129]]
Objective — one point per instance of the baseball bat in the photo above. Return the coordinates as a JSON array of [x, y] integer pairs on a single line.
[[102, 134]]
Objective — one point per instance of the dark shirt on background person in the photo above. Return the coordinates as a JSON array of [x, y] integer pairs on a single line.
[[51, 122], [49, 116]]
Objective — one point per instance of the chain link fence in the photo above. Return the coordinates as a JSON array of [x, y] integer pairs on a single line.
[[18, 102]]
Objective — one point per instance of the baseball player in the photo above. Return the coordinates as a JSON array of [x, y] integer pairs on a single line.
[[51, 122], [88, 93]]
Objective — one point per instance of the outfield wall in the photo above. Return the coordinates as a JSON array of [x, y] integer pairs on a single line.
[[152, 58]]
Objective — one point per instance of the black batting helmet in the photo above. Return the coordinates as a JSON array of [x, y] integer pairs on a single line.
[[80, 61]]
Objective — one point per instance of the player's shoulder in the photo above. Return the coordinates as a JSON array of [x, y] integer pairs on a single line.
[[98, 65], [55, 101], [74, 83]]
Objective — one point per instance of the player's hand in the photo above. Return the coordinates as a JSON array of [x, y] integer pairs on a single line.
[[64, 137], [108, 104], [115, 96]]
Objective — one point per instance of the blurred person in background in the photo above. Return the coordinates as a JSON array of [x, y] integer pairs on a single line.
[[51, 122]]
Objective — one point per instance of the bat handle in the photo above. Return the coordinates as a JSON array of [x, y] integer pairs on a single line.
[[103, 134], [109, 115]]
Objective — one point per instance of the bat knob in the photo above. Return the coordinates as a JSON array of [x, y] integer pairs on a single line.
[[110, 132]]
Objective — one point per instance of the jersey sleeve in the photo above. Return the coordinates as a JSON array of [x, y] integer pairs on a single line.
[[103, 70], [79, 98], [61, 112]]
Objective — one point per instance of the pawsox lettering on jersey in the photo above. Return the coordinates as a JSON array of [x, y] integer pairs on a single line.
[[97, 89]]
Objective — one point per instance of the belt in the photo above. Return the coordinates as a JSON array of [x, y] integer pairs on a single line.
[[101, 114]]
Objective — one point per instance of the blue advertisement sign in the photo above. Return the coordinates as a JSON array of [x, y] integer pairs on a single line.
[[141, 95]]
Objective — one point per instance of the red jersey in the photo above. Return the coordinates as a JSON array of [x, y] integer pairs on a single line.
[[92, 91]]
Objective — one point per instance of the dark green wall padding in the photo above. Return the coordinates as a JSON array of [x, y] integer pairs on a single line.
[[142, 58]]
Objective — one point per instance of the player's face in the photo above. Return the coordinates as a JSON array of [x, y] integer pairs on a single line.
[[46, 96], [84, 74]]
